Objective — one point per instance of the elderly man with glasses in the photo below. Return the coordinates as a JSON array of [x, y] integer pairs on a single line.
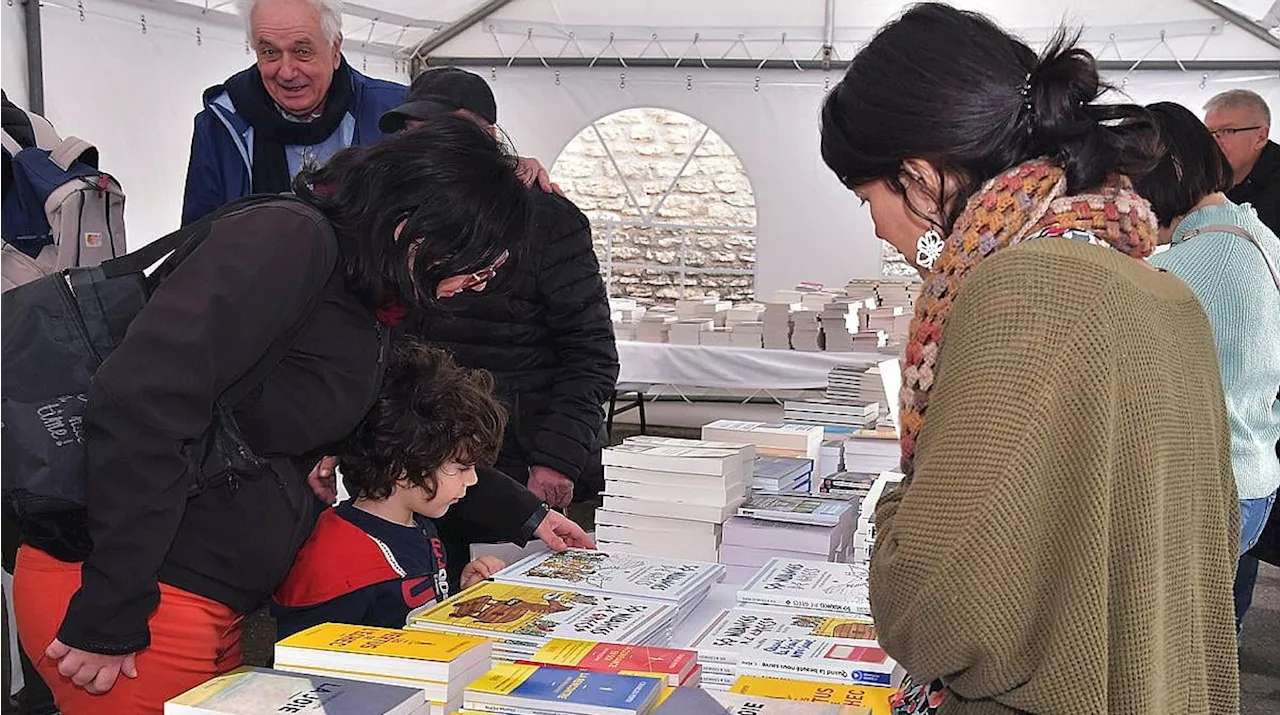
[[1241, 122]]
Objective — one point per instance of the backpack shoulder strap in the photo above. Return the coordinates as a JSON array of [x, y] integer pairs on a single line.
[[73, 149], [1237, 231]]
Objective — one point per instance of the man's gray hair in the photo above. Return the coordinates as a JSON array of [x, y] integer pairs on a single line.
[[330, 16], [1243, 98]]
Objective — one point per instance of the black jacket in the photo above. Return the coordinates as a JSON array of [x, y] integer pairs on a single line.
[[1261, 187], [207, 324], [548, 342]]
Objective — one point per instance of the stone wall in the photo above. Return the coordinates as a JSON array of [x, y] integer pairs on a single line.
[[712, 192]]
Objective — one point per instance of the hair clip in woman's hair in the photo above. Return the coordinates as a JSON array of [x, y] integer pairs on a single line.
[[1026, 91]]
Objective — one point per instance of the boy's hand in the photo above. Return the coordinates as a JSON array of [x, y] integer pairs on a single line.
[[481, 569], [559, 533], [531, 171]]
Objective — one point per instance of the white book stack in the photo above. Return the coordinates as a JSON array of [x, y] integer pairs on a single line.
[[873, 454], [668, 497], [864, 534], [713, 309], [748, 544], [857, 385], [733, 630], [253, 691], [863, 289], [788, 296], [809, 586], [773, 474], [747, 335], [898, 292], [783, 440], [892, 321], [831, 414], [799, 509], [816, 300], [439, 664], [689, 332], [717, 337], [839, 319], [830, 460], [681, 583], [655, 325], [744, 313], [806, 331], [777, 326], [626, 314]]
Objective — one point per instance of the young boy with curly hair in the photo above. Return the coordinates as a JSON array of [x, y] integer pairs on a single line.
[[372, 559]]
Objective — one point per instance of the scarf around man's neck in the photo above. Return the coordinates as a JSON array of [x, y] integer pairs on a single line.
[[273, 131], [1008, 209]]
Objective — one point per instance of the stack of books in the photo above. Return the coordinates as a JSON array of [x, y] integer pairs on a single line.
[[806, 331], [796, 509], [521, 619], [516, 689], [852, 486], [668, 497], [717, 337], [750, 543], [732, 631], [680, 584], [830, 461], [713, 309], [856, 385], [828, 660], [688, 332], [674, 666], [832, 414], [776, 320], [254, 691], [839, 319], [626, 314], [901, 293], [782, 440], [864, 534], [810, 586], [872, 453], [891, 321], [655, 325], [746, 325], [438, 664], [874, 699], [814, 298], [692, 701], [775, 475]]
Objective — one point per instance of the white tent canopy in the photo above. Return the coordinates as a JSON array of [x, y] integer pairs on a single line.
[[128, 74]]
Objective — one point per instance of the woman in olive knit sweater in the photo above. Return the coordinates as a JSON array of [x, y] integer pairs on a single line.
[[1065, 537]]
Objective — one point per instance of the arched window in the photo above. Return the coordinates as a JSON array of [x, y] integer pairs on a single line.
[[672, 211]]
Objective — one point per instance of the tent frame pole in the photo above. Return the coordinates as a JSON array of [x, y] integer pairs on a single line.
[[35, 56], [421, 53], [1239, 21]]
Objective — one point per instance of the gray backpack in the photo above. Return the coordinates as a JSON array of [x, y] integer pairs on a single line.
[[59, 211]]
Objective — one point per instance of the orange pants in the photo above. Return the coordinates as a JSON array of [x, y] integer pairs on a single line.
[[192, 639]]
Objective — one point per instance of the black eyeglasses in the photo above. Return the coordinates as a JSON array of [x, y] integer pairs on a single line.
[[1231, 131]]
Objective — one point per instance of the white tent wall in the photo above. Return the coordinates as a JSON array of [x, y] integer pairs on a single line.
[[13, 53], [808, 226], [136, 94]]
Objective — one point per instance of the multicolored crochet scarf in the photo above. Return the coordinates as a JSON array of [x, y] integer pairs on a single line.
[[1028, 200]]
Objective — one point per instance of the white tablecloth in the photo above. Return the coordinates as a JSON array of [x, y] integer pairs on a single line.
[[750, 368]]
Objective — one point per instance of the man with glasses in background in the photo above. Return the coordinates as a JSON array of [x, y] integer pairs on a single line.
[[1241, 122]]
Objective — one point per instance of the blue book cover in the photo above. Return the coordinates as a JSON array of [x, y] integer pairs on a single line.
[[508, 682]]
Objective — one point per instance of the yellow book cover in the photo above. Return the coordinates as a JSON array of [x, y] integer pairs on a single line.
[[866, 696], [390, 642], [529, 612], [502, 679]]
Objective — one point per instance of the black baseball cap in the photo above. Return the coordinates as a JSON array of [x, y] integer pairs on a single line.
[[436, 91]]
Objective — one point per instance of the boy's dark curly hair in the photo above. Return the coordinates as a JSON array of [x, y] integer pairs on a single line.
[[429, 411]]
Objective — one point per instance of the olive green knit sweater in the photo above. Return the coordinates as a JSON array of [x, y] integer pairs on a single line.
[[1068, 541]]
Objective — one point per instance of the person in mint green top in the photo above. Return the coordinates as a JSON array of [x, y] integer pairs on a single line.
[[1228, 258]]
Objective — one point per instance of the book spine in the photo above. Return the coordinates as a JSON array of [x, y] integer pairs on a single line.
[[801, 670], [856, 608]]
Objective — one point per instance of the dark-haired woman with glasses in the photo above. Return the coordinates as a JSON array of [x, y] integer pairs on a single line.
[[142, 597]]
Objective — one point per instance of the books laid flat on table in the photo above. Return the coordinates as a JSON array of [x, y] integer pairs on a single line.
[[780, 439], [781, 474], [521, 619], [516, 688], [439, 664], [620, 532], [797, 509], [692, 701], [676, 667], [813, 586], [836, 660], [735, 629], [872, 697], [818, 543], [681, 583], [255, 691]]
